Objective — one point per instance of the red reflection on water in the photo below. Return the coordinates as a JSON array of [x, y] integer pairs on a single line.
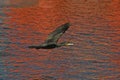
[[43, 20], [24, 22], [112, 14], [114, 17]]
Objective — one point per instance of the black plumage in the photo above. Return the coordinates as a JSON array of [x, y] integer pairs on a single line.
[[51, 41]]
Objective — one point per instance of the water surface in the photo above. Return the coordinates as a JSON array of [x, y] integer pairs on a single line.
[[95, 32]]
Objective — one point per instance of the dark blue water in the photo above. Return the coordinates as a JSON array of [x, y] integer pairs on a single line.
[[94, 31]]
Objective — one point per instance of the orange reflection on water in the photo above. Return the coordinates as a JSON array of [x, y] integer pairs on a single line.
[[114, 17], [112, 14], [114, 9], [30, 26]]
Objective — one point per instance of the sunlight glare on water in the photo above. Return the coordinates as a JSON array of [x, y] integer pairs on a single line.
[[94, 30]]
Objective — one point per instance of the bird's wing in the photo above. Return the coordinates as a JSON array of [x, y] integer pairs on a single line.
[[56, 34]]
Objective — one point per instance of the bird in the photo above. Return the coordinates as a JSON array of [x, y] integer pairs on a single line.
[[53, 37]]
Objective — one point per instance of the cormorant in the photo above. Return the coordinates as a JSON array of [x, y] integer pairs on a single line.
[[51, 41]]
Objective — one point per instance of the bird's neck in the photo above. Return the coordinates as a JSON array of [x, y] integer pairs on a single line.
[[60, 44]]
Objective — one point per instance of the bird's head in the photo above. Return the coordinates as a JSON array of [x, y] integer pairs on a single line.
[[66, 44]]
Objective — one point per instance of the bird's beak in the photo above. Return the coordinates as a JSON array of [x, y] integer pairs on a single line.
[[69, 44]]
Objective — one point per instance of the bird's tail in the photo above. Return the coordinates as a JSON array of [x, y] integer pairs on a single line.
[[36, 47], [31, 46]]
